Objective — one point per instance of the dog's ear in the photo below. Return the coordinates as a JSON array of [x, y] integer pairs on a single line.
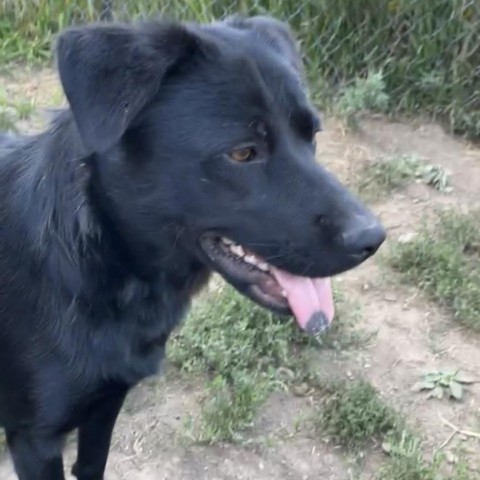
[[275, 33], [109, 73]]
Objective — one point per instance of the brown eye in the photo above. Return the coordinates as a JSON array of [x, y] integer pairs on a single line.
[[243, 154]]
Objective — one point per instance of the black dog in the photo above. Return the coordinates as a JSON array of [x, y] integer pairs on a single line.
[[186, 149]]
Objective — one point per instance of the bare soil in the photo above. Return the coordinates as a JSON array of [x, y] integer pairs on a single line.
[[413, 336]]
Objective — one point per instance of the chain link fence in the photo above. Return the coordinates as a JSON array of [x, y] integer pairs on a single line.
[[428, 52]]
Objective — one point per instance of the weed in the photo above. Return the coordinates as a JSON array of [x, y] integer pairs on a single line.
[[228, 333], [24, 109], [408, 462], [354, 414], [247, 352], [441, 383], [365, 95], [7, 120], [436, 177], [241, 347], [384, 175], [12, 111], [230, 407], [7, 114], [444, 261]]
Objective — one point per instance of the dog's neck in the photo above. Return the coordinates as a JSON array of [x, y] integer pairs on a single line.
[[81, 241]]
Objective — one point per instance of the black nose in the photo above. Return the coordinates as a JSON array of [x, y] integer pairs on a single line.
[[363, 241]]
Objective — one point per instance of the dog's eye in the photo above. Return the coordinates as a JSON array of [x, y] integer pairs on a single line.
[[243, 154]]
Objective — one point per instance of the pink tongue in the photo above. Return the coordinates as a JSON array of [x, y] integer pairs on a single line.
[[306, 296]]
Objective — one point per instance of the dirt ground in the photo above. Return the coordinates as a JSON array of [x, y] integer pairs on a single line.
[[413, 336]]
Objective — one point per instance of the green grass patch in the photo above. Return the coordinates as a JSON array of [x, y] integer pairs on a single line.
[[226, 333], [444, 383], [11, 111], [353, 414], [7, 120], [444, 261], [231, 406], [365, 95], [408, 462], [384, 175], [246, 353], [241, 348], [24, 109]]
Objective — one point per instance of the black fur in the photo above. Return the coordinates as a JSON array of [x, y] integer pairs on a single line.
[[101, 215]]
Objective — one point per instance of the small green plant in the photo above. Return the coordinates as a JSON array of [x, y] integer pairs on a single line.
[[444, 261], [230, 407], [7, 120], [7, 114], [385, 174], [226, 333], [354, 414], [242, 348], [435, 176], [246, 352], [444, 382], [11, 111], [365, 95], [408, 461], [24, 109]]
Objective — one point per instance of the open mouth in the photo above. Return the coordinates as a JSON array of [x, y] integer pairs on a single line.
[[310, 300]]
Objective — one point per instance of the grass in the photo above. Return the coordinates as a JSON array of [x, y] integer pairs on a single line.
[[241, 348], [246, 352], [427, 52], [12, 110], [227, 333], [444, 261], [365, 95], [444, 383], [408, 462], [354, 414], [230, 407], [384, 175], [25, 109], [7, 120]]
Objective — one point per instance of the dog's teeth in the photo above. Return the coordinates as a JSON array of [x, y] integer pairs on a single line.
[[263, 266], [284, 293], [227, 241], [250, 259], [237, 250]]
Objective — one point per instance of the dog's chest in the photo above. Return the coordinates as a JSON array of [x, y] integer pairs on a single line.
[[126, 337]]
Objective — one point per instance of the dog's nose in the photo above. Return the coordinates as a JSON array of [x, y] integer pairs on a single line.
[[363, 241]]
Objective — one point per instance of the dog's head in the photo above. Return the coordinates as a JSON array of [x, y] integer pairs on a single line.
[[209, 128]]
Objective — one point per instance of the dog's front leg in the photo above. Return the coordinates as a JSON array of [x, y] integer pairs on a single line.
[[95, 434], [35, 456]]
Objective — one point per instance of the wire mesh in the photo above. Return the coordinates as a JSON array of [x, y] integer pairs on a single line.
[[428, 51]]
